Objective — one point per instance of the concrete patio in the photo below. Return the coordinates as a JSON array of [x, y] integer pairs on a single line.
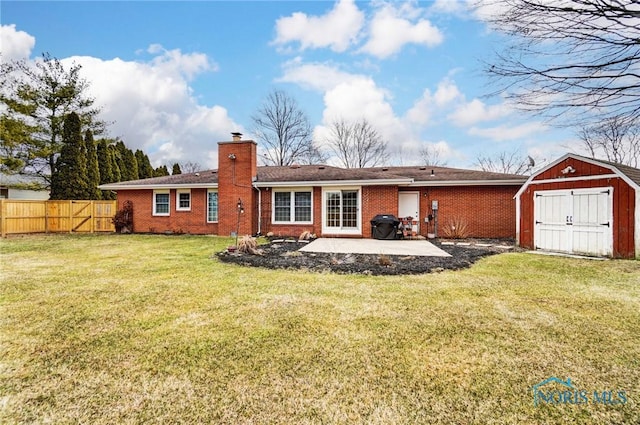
[[421, 248]]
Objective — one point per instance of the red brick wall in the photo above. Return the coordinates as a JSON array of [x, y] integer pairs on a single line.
[[488, 211], [377, 200], [194, 221], [290, 229], [235, 178]]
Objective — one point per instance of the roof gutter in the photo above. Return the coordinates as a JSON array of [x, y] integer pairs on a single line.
[[116, 187], [326, 183], [512, 182]]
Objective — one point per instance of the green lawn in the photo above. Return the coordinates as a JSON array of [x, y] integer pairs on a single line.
[[153, 329]]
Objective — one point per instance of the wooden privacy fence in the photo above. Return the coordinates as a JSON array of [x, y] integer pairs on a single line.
[[18, 216]]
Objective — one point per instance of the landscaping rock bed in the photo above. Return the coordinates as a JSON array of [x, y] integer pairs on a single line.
[[285, 255]]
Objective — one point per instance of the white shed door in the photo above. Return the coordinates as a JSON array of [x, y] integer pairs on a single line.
[[578, 221]]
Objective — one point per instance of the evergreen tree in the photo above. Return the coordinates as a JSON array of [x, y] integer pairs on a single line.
[[35, 100], [145, 170], [93, 171], [176, 169], [70, 178], [105, 167], [161, 171], [131, 164], [126, 162], [115, 165]]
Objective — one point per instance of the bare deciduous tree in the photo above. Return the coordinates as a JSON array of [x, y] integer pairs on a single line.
[[432, 155], [356, 144], [570, 58], [283, 131], [616, 140], [506, 162], [190, 167]]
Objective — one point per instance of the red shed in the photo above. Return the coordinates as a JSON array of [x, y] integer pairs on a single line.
[[581, 205]]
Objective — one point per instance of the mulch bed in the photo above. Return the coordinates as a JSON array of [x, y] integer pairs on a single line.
[[285, 255]]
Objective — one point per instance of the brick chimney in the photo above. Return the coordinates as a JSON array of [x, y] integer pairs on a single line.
[[237, 170]]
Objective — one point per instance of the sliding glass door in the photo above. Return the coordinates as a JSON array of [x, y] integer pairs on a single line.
[[341, 211]]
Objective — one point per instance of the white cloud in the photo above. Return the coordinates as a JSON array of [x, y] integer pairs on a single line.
[[393, 27], [174, 62], [152, 106], [320, 77], [356, 96], [454, 7], [503, 133], [337, 29], [477, 111], [423, 109], [15, 45]]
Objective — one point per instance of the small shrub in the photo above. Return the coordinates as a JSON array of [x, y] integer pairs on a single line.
[[123, 220], [304, 236], [248, 245], [456, 228]]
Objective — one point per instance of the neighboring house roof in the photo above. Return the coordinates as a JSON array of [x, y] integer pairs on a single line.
[[299, 175], [20, 181]]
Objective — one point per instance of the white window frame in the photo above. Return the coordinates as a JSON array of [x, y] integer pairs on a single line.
[[207, 201], [155, 206], [182, 192], [342, 230], [292, 206]]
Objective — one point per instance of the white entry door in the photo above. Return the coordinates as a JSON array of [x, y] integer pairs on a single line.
[[409, 206], [578, 221]]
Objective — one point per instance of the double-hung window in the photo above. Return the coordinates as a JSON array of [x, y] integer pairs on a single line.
[[293, 206], [183, 200], [212, 206], [161, 202]]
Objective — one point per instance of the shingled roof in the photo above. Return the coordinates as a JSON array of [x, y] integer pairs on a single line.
[[445, 174], [323, 174], [632, 173]]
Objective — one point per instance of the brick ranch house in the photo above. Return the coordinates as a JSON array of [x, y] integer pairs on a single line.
[[324, 200]]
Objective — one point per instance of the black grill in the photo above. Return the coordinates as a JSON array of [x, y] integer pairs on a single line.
[[385, 226]]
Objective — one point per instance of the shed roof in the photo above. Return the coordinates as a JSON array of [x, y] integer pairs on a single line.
[[629, 174]]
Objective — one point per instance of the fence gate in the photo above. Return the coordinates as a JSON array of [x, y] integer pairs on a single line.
[[20, 216]]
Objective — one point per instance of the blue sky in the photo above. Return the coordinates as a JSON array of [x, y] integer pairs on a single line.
[[177, 77]]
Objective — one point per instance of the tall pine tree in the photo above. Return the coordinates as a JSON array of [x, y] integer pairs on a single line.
[[93, 171], [126, 162], [105, 167], [114, 155], [161, 171], [145, 170], [176, 169], [70, 178]]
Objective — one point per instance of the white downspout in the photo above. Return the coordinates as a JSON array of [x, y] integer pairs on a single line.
[[636, 230], [259, 209]]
